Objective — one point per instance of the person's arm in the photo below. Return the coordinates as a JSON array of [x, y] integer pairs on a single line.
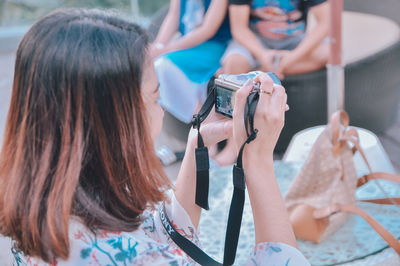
[[212, 21], [170, 24], [214, 129], [271, 220], [313, 38], [185, 186], [239, 19], [317, 34]]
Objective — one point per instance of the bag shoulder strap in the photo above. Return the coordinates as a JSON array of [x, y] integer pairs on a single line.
[[183, 243], [378, 175], [352, 136], [338, 120], [387, 201], [382, 231]]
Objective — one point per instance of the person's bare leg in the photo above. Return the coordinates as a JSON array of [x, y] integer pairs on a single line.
[[234, 64], [316, 60]]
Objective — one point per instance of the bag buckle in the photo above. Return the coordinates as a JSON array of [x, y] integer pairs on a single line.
[[362, 180], [196, 121]]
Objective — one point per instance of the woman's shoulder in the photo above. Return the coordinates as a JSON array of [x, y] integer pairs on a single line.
[[136, 247], [113, 248]]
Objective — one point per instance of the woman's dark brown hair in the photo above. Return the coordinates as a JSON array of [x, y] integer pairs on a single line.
[[77, 140]]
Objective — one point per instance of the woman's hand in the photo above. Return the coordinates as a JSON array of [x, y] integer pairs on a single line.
[[271, 221], [214, 129], [268, 120]]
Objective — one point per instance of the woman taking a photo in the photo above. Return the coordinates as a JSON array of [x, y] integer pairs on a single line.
[[79, 180]]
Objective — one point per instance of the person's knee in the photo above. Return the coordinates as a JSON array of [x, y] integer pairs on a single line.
[[236, 64], [321, 55]]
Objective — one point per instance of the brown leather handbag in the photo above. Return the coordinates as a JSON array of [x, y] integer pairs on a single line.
[[322, 195]]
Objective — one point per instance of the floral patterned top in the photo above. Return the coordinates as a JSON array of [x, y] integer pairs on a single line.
[[151, 245]]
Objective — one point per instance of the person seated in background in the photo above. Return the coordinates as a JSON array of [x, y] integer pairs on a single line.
[[185, 65], [271, 35], [80, 183]]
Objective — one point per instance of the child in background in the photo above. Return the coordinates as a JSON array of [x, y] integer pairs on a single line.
[[185, 65], [271, 35]]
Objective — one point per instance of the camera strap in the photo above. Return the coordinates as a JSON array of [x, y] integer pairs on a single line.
[[202, 187], [191, 249]]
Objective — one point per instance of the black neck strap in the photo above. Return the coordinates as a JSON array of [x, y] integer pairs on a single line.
[[202, 186], [239, 184], [201, 154], [182, 242]]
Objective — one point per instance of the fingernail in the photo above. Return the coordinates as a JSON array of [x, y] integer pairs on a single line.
[[287, 107]]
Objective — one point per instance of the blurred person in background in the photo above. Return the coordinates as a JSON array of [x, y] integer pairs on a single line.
[[184, 65], [271, 35]]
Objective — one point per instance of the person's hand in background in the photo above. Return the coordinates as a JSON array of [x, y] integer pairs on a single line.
[[266, 59], [286, 59]]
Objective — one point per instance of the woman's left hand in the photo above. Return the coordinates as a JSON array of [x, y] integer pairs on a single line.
[[214, 129]]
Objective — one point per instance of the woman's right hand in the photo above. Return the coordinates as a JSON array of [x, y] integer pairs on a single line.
[[271, 221], [268, 120]]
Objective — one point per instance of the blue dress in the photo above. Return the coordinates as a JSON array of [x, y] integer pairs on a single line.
[[183, 74]]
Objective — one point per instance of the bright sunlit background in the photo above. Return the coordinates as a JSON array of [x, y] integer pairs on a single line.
[[24, 12]]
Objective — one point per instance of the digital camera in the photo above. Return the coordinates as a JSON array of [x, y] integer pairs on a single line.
[[226, 86]]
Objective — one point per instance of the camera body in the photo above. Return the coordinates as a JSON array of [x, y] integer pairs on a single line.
[[226, 86]]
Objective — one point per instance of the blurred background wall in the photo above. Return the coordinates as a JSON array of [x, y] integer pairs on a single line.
[[25, 12]]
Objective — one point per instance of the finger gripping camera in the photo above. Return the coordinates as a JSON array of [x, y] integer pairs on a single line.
[[226, 86]]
